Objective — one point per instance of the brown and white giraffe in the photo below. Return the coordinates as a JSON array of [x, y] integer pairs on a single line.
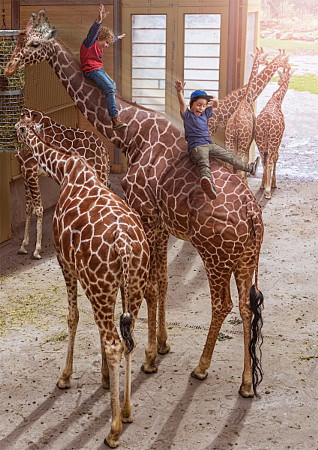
[[86, 143], [162, 185], [269, 130], [239, 131], [100, 242], [230, 102]]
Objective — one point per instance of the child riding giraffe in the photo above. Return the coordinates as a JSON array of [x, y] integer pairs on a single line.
[[161, 186], [100, 242], [86, 143]]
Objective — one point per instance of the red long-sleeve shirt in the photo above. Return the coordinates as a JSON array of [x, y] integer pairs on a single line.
[[91, 54]]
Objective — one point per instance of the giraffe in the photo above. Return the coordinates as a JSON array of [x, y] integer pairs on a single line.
[[269, 130], [86, 143], [239, 131], [163, 187], [100, 242], [230, 102]]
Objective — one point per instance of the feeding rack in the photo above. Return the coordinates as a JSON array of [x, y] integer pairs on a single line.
[[11, 93]]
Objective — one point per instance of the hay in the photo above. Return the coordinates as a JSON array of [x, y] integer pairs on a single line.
[[11, 93]]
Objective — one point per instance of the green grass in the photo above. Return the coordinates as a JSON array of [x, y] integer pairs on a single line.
[[307, 82], [289, 46]]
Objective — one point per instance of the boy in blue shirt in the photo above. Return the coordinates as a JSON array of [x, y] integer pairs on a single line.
[[91, 54], [200, 146]]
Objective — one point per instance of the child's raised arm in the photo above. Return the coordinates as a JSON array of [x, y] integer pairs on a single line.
[[179, 85]]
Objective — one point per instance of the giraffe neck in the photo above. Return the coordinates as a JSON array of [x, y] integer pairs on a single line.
[[85, 94], [281, 92], [252, 82], [51, 160], [264, 77]]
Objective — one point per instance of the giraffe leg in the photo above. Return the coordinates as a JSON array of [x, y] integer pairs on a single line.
[[156, 295], [114, 352], [39, 221], [221, 306], [23, 250], [73, 316], [274, 183], [268, 194], [162, 250], [104, 368]]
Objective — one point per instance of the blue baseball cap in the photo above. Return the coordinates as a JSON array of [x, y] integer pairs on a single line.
[[200, 94]]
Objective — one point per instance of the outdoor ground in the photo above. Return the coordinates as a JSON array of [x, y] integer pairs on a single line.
[[171, 409]]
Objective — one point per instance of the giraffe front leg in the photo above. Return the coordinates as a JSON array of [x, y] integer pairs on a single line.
[[39, 221], [23, 250], [151, 294], [72, 320]]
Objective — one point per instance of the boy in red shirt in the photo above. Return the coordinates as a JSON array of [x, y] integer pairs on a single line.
[[91, 54]]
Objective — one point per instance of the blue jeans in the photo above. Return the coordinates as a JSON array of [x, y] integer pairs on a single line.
[[103, 81]]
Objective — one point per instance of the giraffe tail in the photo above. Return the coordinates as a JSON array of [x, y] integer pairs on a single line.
[[123, 248], [256, 305]]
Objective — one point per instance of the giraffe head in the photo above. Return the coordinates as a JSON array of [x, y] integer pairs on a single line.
[[33, 43], [259, 57], [281, 60], [285, 76]]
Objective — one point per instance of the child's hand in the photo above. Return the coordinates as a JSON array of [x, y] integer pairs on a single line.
[[214, 102], [101, 13], [179, 85], [121, 36]]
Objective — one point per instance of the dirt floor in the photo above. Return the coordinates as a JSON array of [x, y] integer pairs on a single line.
[[171, 409]]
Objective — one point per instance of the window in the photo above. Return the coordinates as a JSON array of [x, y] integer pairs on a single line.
[[149, 60], [202, 34], [250, 44]]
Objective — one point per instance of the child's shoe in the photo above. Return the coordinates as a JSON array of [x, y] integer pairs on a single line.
[[117, 123], [208, 187], [254, 166]]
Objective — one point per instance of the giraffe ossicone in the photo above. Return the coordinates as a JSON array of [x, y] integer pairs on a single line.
[[162, 185], [100, 242]]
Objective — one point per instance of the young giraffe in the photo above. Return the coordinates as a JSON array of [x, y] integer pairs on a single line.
[[239, 131], [100, 242], [86, 143], [269, 130], [162, 185], [230, 102]]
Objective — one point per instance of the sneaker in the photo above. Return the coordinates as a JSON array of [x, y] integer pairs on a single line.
[[208, 187], [117, 123], [254, 166]]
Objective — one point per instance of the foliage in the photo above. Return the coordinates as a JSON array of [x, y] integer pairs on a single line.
[[289, 46]]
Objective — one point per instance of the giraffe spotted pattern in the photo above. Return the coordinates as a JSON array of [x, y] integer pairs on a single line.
[[269, 130], [100, 242], [162, 185], [86, 143]]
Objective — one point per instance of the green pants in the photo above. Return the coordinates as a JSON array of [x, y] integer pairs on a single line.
[[201, 154]]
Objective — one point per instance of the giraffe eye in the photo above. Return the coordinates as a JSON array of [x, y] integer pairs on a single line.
[[34, 44]]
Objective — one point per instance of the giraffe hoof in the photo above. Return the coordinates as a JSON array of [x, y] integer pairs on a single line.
[[149, 369], [164, 349], [246, 392], [22, 252], [36, 257], [112, 443], [199, 377], [62, 384]]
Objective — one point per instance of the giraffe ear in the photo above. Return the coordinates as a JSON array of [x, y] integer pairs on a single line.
[[54, 33]]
